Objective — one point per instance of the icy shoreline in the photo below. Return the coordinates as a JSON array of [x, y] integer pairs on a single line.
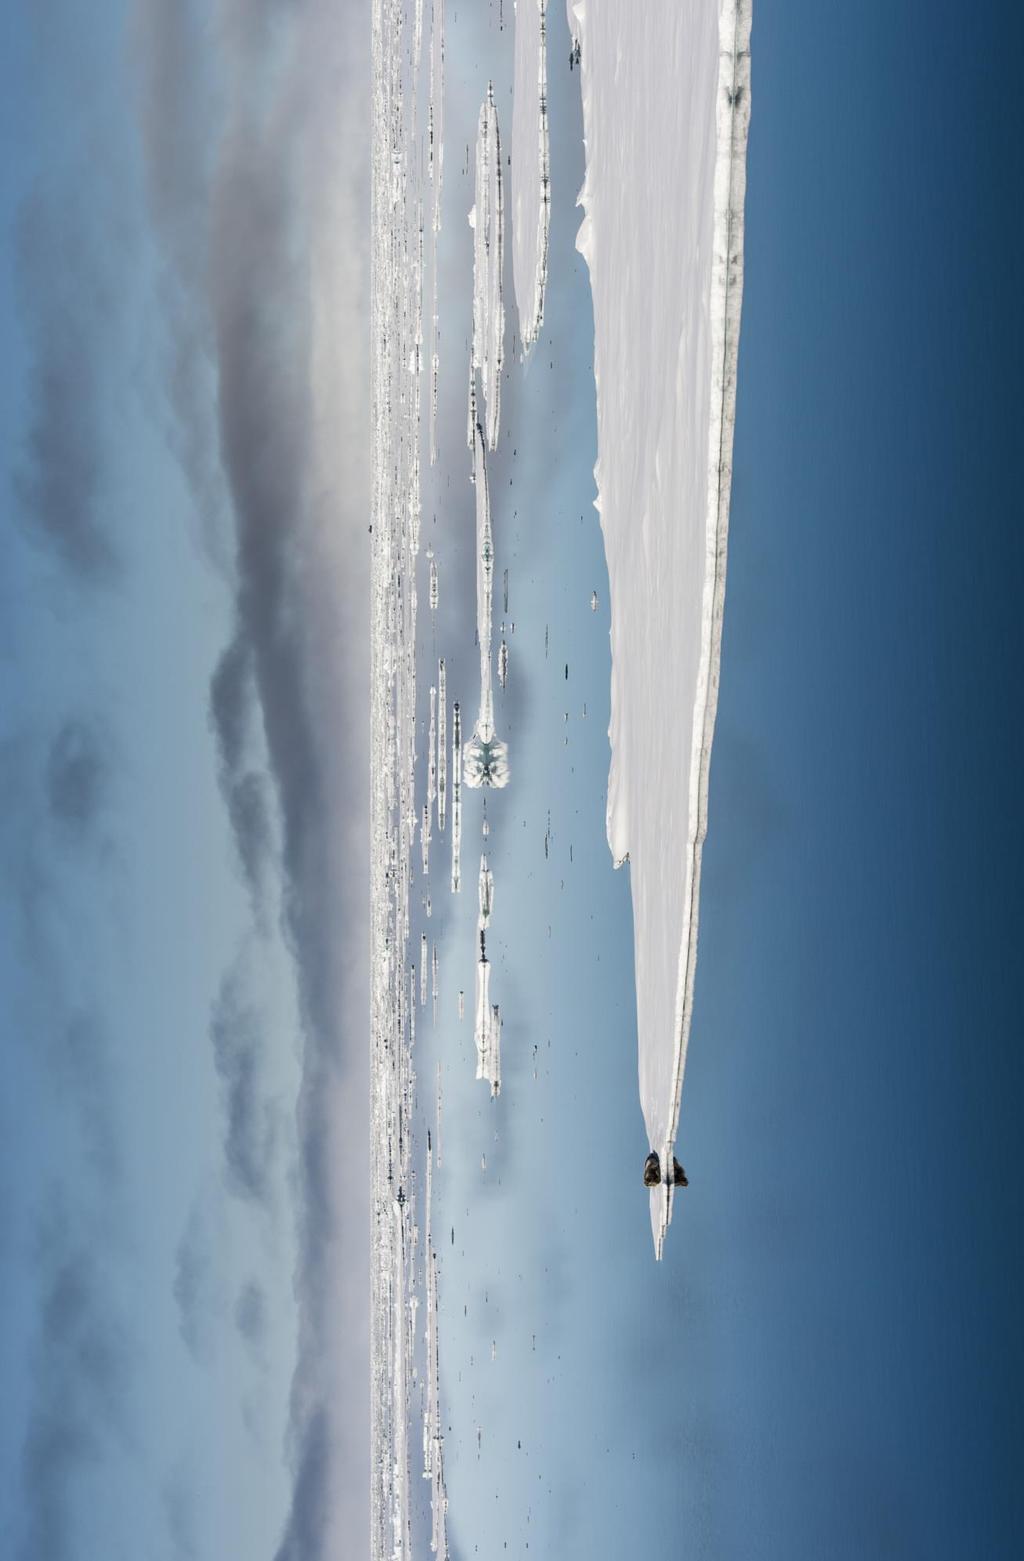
[[632, 791], [531, 169]]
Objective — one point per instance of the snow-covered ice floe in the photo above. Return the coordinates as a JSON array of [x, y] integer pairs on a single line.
[[486, 757], [531, 179], [487, 1029], [487, 219], [456, 880], [666, 108], [485, 892]]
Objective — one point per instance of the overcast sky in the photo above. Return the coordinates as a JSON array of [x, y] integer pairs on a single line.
[[184, 193]]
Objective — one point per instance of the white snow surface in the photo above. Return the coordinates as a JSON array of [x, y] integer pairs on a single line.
[[531, 185], [666, 106], [487, 1029], [487, 219], [456, 879]]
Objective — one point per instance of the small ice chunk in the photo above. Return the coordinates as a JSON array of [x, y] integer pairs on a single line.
[[485, 886]]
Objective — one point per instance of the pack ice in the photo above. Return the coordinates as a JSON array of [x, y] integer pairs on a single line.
[[666, 106]]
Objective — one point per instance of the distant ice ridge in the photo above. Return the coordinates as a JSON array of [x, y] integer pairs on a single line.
[[433, 1435], [442, 744], [428, 806], [396, 300], [486, 756], [487, 219], [432, 752], [456, 798], [531, 167], [435, 165], [666, 107], [435, 111]]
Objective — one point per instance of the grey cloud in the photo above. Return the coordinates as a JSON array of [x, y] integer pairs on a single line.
[[58, 479], [25, 874], [80, 1387], [231, 703], [76, 775], [80, 1365], [64, 781], [291, 178], [233, 717], [53, 792], [307, 1529], [251, 1314], [288, 609], [239, 1053], [180, 1513], [81, 1068], [249, 812], [197, 1284], [178, 101]]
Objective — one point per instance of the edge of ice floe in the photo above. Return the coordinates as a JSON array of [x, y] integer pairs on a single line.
[[733, 125], [531, 318], [487, 220], [732, 113]]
